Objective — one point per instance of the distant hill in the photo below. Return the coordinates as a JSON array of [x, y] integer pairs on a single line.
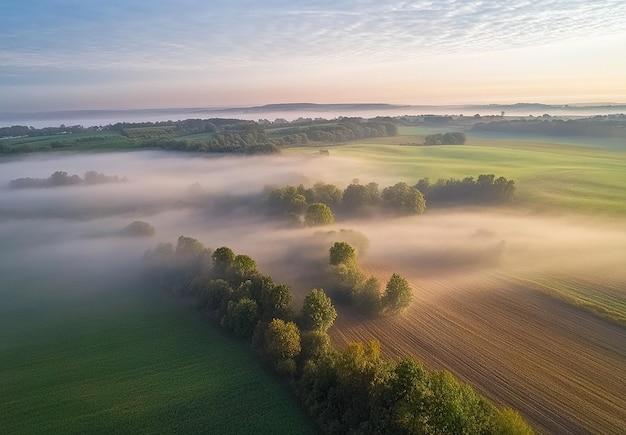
[[323, 107]]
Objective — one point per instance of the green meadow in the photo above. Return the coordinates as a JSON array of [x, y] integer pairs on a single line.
[[551, 174], [78, 357], [87, 141]]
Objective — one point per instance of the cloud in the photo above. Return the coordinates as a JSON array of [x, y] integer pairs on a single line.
[[194, 34]]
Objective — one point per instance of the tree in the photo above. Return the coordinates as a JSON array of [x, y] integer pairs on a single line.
[[242, 316], [289, 199], [188, 247], [342, 253], [328, 194], [138, 229], [318, 214], [355, 197], [397, 295], [282, 344], [212, 294], [315, 345], [369, 296], [275, 301], [222, 259], [318, 311], [404, 199], [242, 268]]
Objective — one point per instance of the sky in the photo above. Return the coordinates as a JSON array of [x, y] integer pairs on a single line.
[[76, 54]]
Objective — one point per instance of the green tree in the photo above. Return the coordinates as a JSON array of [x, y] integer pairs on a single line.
[[242, 316], [358, 198], [328, 194], [213, 294], [188, 247], [510, 422], [282, 344], [315, 345], [289, 199], [404, 199], [318, 214], [369, 296], [398, 294], [318, 311], [276, 301], [342, 253], [222, 259], [242, 268]]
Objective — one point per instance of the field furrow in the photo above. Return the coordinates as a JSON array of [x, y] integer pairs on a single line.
[[563, 368]]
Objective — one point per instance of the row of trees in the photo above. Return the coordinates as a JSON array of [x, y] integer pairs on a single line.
[[233, 143], [320, 204], [356, 199], [455, 138], [592, 127], [22, 130], [351, 390], [349, 284], [486, 189], [343, 131], [61, 178]]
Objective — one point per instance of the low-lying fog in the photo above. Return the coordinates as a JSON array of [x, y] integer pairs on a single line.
[[78, 228]]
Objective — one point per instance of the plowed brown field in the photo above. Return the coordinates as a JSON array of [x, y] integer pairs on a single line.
[[562, 368]]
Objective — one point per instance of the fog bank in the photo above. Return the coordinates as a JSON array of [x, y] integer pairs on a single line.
[[78, 227]]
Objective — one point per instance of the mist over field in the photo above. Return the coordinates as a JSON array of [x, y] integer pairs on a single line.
[[219, 201]]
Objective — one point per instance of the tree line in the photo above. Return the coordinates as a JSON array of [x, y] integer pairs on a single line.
[[600, 126], [486, 189], [454, 138], [353, 390], [321, 203], [62, 178], [356, 199]]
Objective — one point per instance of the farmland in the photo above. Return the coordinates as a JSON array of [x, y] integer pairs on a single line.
[[543, 334], [78, 356], [502, 295]]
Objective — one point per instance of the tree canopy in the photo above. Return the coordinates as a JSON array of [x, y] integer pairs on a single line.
[[318, 214], [318, 312], [404, 199], [398, 294]]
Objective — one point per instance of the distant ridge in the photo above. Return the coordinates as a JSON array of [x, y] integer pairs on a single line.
[[106, 116], [324, 107]]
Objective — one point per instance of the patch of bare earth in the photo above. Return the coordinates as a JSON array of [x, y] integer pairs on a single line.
[[562, 368]]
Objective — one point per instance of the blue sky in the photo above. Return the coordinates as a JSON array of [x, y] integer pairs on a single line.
[[70, 54]]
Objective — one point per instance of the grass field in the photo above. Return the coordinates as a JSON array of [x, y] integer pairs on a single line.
[[551, 176], [87, 141], [79, 359]]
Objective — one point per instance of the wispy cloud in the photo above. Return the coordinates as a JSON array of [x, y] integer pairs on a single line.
[[196, 34]]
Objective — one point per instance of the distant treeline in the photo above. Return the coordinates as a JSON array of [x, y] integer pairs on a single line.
[[22, 130], [598, 126], [253, 138], [455, 138], [61, 178], [345, 130], [354, 390], [213, 135]]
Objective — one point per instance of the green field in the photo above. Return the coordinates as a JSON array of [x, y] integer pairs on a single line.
[[74, 359], [87, 141], [556, 175]]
